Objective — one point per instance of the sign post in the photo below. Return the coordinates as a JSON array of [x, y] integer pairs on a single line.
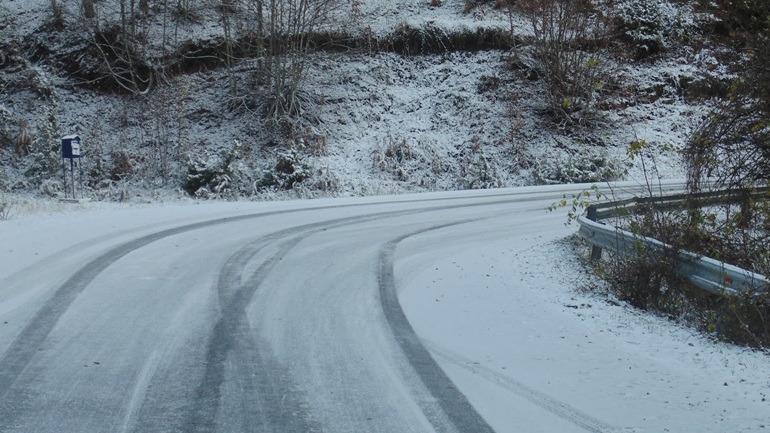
[[70, 149]]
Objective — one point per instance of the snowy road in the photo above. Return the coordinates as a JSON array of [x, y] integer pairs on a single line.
[[264, 317]]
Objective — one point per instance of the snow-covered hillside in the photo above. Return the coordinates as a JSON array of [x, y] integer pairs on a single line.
[[381, 122]]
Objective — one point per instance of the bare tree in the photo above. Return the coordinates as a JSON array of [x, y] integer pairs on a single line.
[[284, 32], [732, 146], [115, 34], [566, 34], [186, 8], [227, 10]]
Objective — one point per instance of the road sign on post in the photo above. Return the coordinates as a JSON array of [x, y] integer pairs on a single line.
[[70, 149]]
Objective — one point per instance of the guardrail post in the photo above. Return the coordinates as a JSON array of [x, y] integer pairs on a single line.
[[596, 252]]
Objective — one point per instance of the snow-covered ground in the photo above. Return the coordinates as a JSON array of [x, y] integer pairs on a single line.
[[509, 322], [610, 367], [500, 319]]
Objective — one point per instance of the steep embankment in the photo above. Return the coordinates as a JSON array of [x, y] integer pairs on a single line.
[[397, 97]]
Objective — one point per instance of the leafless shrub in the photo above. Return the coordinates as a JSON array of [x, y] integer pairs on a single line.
[[123, 61], [418, 163], [647, 280], [729, 151], [288, 31], [567, 34], [121, 166], [735, 233], [518, 144], [312, 141], [396, 157], [112, 46], [280, 37], [6, 207], [23, 142]]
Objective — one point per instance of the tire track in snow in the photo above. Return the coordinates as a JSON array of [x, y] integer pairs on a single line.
[[261, 407], [18, 355], [232, 336], [452, 404], [16, 359], [265, 404], [556, 407], [420, 357], [233, 340]]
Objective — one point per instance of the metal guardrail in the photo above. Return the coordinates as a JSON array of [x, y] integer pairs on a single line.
[[602, 211], [706, 273]]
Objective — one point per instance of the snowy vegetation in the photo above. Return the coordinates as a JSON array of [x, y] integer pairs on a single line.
[[474, 94]]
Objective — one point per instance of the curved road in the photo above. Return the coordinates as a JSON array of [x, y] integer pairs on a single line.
[[249, 317]]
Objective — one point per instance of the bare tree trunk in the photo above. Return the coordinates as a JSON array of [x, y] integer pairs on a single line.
[[123, 15], [132, 12], [88, 9], [226, 10], [260, 39], [56, 10], [165, 25]]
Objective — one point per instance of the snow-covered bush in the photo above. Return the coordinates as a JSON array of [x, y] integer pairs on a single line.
[[641, 22], [121, 166], [482, 172], [418, 165], [51, 188], [5, 126], [324, 179], [580, 167], [290, 170], [395, 157], [220, 175], [312, 141], [6, 205], [650, 26]]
